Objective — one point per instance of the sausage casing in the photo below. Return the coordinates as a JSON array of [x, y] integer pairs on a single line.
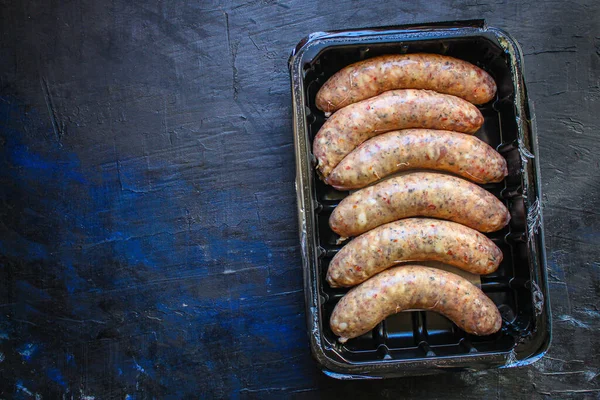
[[413, 239], [396, 109], [425, 194], [376, 75], [408, 149], [414, 287]]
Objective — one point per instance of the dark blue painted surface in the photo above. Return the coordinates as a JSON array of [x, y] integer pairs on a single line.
[[148, 237], [111, 256]]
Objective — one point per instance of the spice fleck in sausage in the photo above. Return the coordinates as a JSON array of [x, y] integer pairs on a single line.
[[409, 149], [413, 239], [376, 75], [396, 109], [414, 287], [425, 194]]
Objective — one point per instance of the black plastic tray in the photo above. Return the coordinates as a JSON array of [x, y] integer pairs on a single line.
[[419, 342]]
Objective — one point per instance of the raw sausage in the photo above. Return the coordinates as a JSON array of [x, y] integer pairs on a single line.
[[396, 109], [408, 149], [413, 239], [425, 194], [376, 75], [414, 287]]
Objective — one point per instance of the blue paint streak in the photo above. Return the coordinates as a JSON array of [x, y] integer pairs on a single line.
[[72, 280], [27, 351], [144, 366], [99, 239], [21, 391], [33, 164], [55, 375]]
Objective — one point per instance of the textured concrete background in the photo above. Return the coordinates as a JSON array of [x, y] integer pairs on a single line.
[[148, 237]]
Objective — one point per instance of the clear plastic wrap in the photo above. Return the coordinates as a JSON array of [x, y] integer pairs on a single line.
[[421, 342]]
